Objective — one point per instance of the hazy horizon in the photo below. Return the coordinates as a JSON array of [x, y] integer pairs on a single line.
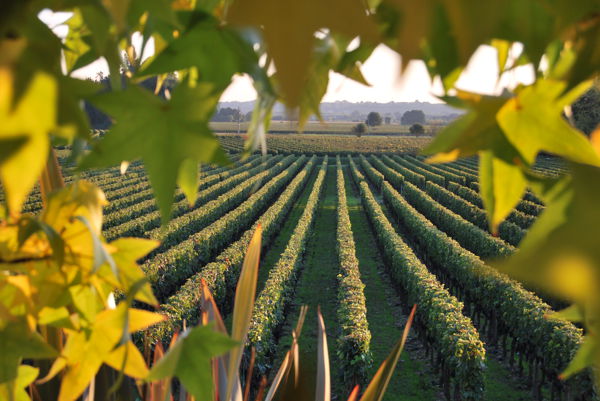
[[380, 70]]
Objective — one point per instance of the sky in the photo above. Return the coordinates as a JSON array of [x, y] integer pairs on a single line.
[[381, 70]]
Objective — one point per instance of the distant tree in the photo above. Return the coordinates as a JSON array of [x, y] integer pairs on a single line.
[[586, 110], [359, 129], [373, 119], [417, 129], [248, 116], [228, 114], [388, 120], [413, 117]]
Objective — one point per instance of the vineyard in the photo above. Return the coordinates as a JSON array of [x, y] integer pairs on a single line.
[[330, 144], [364, 237]]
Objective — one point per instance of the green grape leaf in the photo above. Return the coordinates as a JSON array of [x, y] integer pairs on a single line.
[[316, 84], [475, 131], [502, 185], [162, 133], [532, 121], [190, 360], [289, 33], [199, 46], [561, 250], [159, 11], [528, 22], [32, 118], [473, 23], [440, 49], [349, 63], [187, 179], [73, 122]]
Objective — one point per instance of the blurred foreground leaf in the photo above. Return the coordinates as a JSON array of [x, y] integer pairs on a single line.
[[189, 359], [163, 133]]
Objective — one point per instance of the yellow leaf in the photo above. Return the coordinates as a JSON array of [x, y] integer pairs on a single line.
[[140, 319], [125, 253], [502, 185], [15, 390], [81, 198], [32, 117], [129, 359], [595, 139], [83, 359]]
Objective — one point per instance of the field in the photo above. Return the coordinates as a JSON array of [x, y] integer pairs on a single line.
[[364, 237], [315, 127], [330, 144]]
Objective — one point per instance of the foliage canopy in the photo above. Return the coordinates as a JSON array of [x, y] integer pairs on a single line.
[[206, 43]]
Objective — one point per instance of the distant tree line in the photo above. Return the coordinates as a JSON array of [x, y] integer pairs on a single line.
[[413, 117]]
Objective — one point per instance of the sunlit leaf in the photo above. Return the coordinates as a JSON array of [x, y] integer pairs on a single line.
[[84, 354], [533, 122], [126, 252], [128, 359], [16, 390], [32, 118], [501, 185], [473, 132], [187, 179]]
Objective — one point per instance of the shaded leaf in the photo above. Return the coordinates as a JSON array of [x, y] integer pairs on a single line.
[[163, 133], [289, 29], [189, 359]]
